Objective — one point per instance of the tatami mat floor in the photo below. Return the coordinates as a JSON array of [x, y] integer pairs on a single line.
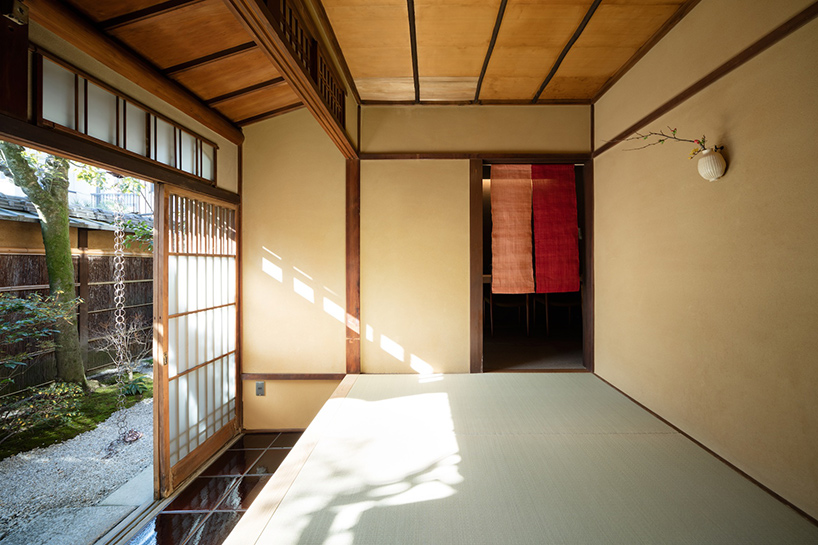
[[507, 458]]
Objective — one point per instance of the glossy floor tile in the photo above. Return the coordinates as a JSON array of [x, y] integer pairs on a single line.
[[208, 508]]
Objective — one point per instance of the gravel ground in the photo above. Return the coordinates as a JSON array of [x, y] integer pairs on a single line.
[[76, 473]]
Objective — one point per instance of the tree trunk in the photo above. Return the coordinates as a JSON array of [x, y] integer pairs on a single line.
[[60, 265]]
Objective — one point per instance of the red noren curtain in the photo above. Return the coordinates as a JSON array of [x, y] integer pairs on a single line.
[[556, 241]]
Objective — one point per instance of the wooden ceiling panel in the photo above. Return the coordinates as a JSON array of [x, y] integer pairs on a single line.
[[594, 61], [460, 89], [102, 11], [258, 102], [386, 88], [228, 74], [540, 24], [374, 37], [386, 62], [520, 88], [530, 41], [625, 25], [572, 88], [190, 32], [453, 38]]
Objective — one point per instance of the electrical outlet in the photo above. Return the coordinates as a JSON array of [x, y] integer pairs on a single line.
[[259, 388]]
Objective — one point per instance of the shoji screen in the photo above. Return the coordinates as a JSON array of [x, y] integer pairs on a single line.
[[200, 318]]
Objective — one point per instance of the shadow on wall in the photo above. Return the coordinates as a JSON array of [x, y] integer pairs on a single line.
[[305, 286]]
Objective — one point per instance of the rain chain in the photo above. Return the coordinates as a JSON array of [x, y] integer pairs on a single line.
[[121, 343]]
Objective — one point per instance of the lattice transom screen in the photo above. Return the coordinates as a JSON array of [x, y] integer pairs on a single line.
[[201, 341]]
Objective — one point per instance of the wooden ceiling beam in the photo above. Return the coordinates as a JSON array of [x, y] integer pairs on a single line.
[[146, 13], [217, 56], [257, 19], [566, 49], [494, 34], [271, 113], [413, 40], [71, 27], [275, 82]]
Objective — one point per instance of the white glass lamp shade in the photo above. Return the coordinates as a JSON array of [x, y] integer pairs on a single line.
[[711, 165]]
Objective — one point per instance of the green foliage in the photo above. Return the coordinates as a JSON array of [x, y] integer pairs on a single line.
[[138, 386], [44, 407], [26, 328], [142, 234], [75, 413]]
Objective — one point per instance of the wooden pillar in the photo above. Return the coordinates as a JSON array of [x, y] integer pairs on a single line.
[[84, 291], [476, 264], [14, 59], [353, 261]]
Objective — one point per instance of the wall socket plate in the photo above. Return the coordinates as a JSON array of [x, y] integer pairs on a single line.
[[260, 388]]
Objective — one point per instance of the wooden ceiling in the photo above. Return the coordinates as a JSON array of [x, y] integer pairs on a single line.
[[203, 47], [396, 51], [495, 51]]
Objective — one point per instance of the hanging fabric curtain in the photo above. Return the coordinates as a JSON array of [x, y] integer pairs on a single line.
[[556, 241], [512, 269]]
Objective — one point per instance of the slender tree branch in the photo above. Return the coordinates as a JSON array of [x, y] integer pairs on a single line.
[[23, 175]]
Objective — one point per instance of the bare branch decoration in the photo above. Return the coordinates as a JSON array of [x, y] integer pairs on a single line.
[[661, 137]]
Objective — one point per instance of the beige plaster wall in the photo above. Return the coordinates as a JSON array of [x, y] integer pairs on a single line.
[[523, 129], [286, 405], [228, 153], [713, 32], [293, 259], [25, 235], [706, 293], [415, 266]]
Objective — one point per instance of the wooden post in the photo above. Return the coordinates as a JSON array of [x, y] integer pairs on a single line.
[[353, 260], [476, 264], [14, 59], [84, 291]]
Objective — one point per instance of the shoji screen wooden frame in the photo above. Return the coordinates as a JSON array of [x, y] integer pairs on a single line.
[[195, 333]]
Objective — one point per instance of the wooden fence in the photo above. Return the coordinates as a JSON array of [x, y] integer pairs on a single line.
[[23, 271]]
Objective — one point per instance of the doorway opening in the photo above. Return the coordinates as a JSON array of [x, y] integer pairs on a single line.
[[532, 332]]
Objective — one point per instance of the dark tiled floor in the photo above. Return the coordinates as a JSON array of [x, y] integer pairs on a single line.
[[209, 507]]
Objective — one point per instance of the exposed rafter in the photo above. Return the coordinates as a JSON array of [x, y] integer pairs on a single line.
[[413, 40], [257, 19], [271, 113], [493, 41], [263, 85], [566, 49], [217, 56], [146, 13], [71, 27]]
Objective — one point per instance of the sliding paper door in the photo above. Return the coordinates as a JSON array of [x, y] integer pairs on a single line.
[[196, 404]]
